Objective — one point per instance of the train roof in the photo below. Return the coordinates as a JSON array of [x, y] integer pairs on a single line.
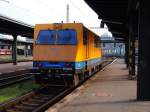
[[69, 23]]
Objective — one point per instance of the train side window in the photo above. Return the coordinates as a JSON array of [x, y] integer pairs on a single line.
[[85, 37]]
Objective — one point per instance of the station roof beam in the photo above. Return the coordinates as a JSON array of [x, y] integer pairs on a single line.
[[12, 26], [113, 13]]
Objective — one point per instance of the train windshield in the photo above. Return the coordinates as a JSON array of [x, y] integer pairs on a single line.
[[67, 36], [46, 37], [59, 37]]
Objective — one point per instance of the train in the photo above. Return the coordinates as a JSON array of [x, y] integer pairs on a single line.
[[65, 53], [5, 52]]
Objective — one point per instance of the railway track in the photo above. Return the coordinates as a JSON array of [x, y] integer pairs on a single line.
[[36, 101], [39, 100], [8, 79]]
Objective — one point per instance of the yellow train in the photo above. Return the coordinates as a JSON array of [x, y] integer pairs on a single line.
[[65, 53]]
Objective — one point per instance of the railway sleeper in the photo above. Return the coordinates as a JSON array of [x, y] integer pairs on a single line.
[[23, 107], [13, 110], [30, 104], [43, 97], [50, 95], [37, 101]]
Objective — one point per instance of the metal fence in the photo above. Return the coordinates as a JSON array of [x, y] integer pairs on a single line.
[[113, 49]]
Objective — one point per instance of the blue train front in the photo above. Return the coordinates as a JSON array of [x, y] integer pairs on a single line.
[[54, 72]]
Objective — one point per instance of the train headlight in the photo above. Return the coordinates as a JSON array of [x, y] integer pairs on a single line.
[[57, 71]]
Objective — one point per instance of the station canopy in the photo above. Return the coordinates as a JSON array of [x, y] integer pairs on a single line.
[[12, 26], [114, 13]]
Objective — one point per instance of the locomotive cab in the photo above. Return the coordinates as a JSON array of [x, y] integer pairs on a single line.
[[65, 53], [55, 54]]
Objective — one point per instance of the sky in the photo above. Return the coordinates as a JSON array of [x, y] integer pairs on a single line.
[[51, 11]]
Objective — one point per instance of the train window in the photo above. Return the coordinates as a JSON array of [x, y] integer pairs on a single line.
[[97, 42], [46, 37], [85, 37], [67, 36]]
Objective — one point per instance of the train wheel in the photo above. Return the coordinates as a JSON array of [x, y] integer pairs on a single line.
[[82, 77], [76, 80], [86, 74]]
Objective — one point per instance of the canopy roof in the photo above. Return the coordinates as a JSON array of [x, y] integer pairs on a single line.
[[114, 13], [12, 26]]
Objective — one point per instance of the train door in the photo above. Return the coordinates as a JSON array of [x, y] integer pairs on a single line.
[[86, 43]]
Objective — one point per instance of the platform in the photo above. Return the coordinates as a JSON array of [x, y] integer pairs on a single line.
[[108, 91], [9, 67]]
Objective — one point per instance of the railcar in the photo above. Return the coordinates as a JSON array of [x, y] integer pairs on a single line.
[[65, 53], [5, 52]]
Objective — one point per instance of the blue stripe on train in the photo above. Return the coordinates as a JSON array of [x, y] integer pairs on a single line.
[[45, 64], [93, 61], [77, 65], [80, 65]]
